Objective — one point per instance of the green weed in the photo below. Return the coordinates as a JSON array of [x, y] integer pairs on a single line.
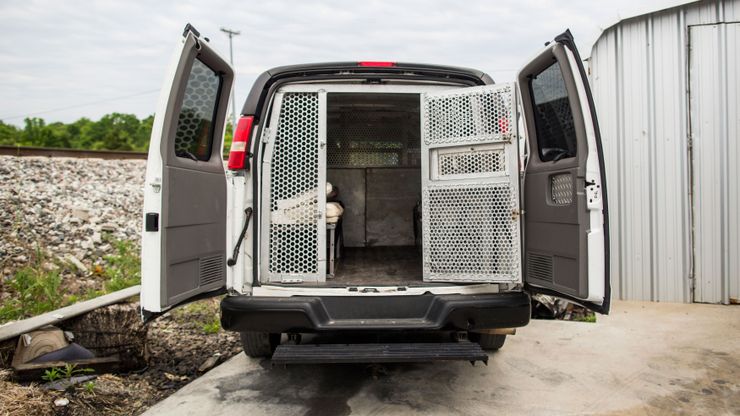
[[213, 326], [52, 374], [89, 387], [205, 314], [587, 318], [123, 268], [36, 291]]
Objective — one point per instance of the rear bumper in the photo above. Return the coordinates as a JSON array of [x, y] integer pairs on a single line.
[[374, 313]]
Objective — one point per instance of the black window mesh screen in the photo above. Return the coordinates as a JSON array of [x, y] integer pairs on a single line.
[[373, 130]]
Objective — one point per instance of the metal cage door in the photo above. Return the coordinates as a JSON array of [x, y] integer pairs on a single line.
[[294, 190], [470, 185]]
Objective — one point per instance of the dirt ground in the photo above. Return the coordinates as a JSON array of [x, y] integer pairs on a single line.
[[178, 343]]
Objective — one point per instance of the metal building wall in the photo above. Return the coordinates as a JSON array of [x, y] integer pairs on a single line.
[[714, 81], [639, 75]]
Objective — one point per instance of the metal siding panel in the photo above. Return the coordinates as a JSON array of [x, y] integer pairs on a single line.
[[733, 153], [636, 166], [639, 78], [714, 87], [669, 176]]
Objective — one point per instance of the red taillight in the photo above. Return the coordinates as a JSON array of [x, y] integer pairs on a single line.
[[376, 63], [240, 143]]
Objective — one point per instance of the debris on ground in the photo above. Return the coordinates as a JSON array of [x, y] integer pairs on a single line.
[[551, 307], [178, 347]]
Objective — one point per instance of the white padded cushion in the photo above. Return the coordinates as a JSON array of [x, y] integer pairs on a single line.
[[329, 188], [333, 210]]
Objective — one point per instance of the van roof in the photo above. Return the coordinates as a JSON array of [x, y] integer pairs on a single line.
[[353, 70]]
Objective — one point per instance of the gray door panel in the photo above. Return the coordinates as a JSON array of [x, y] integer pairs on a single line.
[[558, 216], [192, 221]]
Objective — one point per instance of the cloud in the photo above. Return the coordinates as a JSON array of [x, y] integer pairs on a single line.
[[63, 54]]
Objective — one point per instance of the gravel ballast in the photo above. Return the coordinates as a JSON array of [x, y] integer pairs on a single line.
[[65, 206], [71, 210]]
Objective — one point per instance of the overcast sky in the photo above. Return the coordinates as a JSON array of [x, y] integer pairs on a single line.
[[62, 60]]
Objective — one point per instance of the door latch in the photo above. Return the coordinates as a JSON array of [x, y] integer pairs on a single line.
[[593, 194]]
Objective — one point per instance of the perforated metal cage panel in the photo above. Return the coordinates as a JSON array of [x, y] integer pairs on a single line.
[[294, 188], [470, 181]]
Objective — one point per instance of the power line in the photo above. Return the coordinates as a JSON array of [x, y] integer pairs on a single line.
[[81, 105]]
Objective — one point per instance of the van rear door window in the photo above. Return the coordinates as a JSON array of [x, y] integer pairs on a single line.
[[556, 134], [194, 135]]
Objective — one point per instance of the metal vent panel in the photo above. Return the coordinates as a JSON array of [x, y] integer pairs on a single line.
[[480, 114], [561, 189], [471, 162], [211, 269], [539, 266], [471, 233], [294, 187]]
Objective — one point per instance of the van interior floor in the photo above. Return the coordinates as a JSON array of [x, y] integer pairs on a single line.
[[393, 265]]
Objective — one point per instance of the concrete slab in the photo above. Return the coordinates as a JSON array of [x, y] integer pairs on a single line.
[[654, 358]]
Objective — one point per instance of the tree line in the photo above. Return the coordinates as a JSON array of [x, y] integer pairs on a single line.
[[115, 131]]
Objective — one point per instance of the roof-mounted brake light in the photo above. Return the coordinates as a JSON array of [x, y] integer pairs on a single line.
[[376, 63]]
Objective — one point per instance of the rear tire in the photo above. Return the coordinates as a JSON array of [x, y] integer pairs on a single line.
[[259, 344], [488, 342]]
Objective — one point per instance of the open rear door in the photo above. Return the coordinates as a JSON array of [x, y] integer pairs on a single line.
[[470, 185], [565, 222], [184, 237]]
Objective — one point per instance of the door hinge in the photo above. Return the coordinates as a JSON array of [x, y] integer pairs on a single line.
[[266, 135], [156, 185]]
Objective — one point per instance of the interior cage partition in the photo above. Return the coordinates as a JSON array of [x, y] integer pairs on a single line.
[[294, 191], [470, 185]]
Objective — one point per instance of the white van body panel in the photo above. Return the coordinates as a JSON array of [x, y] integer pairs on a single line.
[[596, 259], [151, 244]]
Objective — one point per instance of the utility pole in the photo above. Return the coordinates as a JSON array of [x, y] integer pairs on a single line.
[[231, 34]]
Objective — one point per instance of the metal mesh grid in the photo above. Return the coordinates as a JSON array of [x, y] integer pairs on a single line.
[[472, 162], [562, 189], [474, 116], [368, 139], [472, 233], [193, 133], [294, 181]]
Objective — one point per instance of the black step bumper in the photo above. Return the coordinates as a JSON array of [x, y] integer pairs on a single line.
[[378, 353], [374, 313]]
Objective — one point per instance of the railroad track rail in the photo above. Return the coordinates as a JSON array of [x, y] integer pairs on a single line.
[[75, 153]]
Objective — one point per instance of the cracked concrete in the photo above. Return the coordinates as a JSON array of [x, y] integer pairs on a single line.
[[644, 358]]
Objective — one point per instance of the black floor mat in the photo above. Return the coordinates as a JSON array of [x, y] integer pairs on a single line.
[[379, 266]]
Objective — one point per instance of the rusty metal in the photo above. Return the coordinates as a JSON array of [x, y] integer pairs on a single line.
[[24, 151]]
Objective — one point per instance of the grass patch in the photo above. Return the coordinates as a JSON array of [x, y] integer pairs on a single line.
[[35, 290], [204, 315], [586, 318], [122, 269]]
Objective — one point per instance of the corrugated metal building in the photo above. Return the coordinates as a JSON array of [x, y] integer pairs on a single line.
[[666, 90]]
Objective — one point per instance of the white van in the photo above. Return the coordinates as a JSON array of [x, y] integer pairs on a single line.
[[375, 198]]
